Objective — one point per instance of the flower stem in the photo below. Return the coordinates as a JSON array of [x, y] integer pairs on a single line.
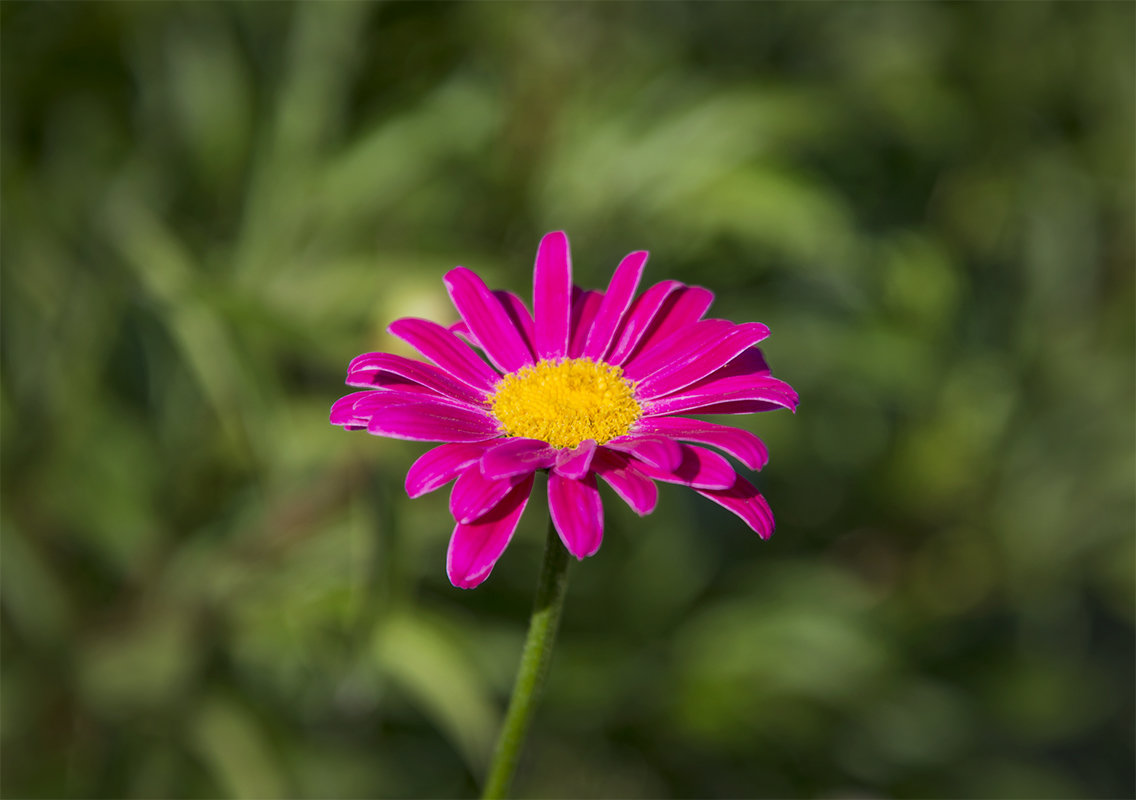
[[535, 658]]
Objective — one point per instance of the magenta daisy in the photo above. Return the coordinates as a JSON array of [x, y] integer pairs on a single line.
[[590, 384]]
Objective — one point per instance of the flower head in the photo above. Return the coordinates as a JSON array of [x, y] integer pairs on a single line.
[[588, 384]]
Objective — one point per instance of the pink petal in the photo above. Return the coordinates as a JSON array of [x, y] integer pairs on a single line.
[[473, 495], [487, 320], [616, 301], [519, 314], [741, 444], [462, 329], [388, 380], [700, 468], [463, 332], [744, 500], [768, 391], [681, 309], [747, 369], [437, 467], [343, 410], [516, 456], [476, 546], [585, 305], [684, 308], [639, 320], [446, 350], [577, 513], [356, 410], [621, 474], [658, 451], [575, 463], [702, 333], [433, 422], [690, 355], [552, 294], [748, 362], [380, 400], [736, 407], [374, 369]]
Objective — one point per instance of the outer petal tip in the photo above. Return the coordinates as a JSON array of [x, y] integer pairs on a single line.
[[475, 547], [746, 502], [577, 513], [552, 295]]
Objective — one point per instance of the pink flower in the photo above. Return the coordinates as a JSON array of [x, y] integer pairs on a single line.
[[589, 384]]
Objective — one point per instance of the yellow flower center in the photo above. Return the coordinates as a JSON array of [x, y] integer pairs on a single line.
[[565, 402]]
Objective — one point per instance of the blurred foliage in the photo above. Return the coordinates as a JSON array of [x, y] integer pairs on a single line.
[[209, 208]]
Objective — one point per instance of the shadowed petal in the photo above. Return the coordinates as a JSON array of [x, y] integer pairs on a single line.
[[681, 309], [767, 390], [516, 456], [736, 407], [379, 400], [739, 443], [476, 546], [552, 295], [376, 369], [616, 301], [650, 360], [519, 314], [357, 409], [620, 473], [437, 467], [639, 320], [585, 304], [473, 494], [747, 376], [700, 468], [488, 320], [445, 349], [343, 410], [690, 355], [388, 380], [748, 362], [433, 422], [577, 513], [744, 500], [575, 463], [658, 451]]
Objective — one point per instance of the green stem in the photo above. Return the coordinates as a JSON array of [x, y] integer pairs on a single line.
[[535, 658]]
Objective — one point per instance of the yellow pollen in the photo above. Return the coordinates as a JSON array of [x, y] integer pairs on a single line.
[[565, 402]]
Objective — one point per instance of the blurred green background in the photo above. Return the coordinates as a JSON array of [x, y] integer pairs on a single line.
[[208, 209]]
